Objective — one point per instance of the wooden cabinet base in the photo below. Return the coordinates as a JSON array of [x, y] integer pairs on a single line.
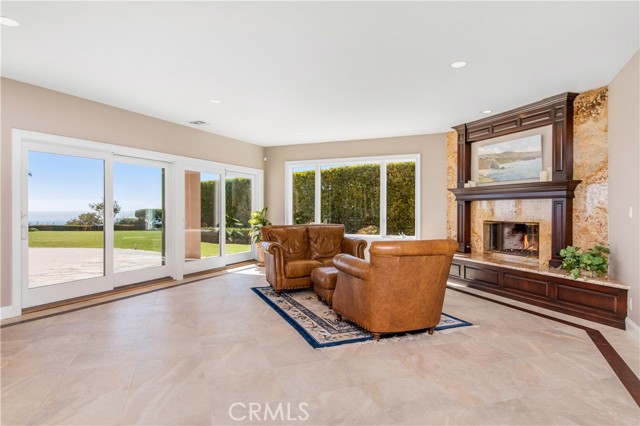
[[593, 302]]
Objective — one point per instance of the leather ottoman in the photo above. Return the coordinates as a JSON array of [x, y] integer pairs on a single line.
[[324, 282]]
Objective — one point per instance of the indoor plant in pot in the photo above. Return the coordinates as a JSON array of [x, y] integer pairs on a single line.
[[592, 262], [257, 221]]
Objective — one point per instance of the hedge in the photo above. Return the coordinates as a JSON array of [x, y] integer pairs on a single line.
[[238, 200], [351, 195]]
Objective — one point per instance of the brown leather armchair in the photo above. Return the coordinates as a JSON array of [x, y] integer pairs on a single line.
[[401, 289], [291, 252]]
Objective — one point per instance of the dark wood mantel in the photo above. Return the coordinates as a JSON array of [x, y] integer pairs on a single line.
[[556, 111], [529, 190]]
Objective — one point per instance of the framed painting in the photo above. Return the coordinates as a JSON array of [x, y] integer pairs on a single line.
[[511, 161]]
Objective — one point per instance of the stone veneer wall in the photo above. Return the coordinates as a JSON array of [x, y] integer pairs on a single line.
[[590, 164], [452, 177]]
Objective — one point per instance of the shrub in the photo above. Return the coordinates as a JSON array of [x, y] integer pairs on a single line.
[[596, 260], [351, 196]]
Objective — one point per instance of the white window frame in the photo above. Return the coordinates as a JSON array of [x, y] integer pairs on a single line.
[[382, 160]]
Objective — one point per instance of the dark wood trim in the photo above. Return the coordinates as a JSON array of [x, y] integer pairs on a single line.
[[464, 226], [529, 190], [464, 157], [555, 111], [625, 374], [598, 303], [546, 112], [561, 228]]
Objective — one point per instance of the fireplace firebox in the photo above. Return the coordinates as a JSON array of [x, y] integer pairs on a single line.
[[517, 238]]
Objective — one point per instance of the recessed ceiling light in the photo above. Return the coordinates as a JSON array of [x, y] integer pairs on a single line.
[[301, 133], [487, 111], [458, 64], [215, 101], [9, 22]]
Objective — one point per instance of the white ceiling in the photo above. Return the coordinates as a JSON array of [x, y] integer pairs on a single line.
[[302, 72]]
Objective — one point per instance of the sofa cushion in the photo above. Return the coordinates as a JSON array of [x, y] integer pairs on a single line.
[[300, 268], [325, 241], [293, 240]]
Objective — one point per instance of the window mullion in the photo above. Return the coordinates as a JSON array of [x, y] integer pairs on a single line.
[[318, 196], [383, 198]]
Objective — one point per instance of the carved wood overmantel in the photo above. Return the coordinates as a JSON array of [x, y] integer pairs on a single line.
[[556, 111]]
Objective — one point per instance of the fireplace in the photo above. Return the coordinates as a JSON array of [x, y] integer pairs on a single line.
[[516, 238]]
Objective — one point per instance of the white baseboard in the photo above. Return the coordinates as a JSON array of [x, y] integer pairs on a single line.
[[632, 326], [8, 312]]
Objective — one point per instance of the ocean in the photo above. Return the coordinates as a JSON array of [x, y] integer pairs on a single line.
[[518, 170], [60, 218]]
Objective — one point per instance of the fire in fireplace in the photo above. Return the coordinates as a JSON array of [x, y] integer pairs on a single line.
[[521, 239]]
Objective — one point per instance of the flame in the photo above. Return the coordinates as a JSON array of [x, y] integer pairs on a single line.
[[526, 241]]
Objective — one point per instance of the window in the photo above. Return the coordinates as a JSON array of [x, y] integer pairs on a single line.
[[370, 196]]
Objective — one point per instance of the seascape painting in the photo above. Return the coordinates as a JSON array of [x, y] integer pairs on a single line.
[[515, 160]]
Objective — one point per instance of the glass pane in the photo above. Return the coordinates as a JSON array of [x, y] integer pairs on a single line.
[[66, 218], [238, 206], [351, 196], [401, 198], [304, 191], [139, 232], [202, 215]]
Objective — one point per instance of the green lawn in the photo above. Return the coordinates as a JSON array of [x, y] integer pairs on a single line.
[[140, 240]]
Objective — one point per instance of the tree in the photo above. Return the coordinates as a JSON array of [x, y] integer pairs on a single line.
[[95, 217]]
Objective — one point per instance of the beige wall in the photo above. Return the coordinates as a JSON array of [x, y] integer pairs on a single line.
[[36, 109], [624, 179], [433, 173]]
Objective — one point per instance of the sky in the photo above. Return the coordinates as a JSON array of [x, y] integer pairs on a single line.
[[66, 183], [528, 144]]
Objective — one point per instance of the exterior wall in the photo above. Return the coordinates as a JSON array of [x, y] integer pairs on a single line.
[[36, 109], [591, 165], [624, 180], [433, 172]]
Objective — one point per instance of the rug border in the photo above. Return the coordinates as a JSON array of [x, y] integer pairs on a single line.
[[317, 345], [308, 337], [463, 323]]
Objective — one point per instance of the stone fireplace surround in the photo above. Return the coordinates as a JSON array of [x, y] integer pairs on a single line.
[[548, 203]]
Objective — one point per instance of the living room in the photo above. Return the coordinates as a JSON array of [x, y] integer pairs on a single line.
[[305, 88]]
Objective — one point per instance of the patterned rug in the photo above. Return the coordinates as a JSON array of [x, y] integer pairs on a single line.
[[318, 324]]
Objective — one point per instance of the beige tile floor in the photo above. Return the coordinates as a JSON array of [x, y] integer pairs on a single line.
[[184, 355]]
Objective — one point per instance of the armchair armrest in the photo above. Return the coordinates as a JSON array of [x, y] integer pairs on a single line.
[[353, 266], [353, 246]]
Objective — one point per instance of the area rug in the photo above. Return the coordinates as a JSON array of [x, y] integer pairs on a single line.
[[318, 324]]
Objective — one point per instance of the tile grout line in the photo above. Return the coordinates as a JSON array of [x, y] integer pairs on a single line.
[[623, 372]]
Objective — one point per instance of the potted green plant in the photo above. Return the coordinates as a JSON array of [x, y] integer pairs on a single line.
[[257, 221], [592, 262]]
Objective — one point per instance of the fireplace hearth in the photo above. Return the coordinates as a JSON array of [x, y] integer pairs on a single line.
[[515, 238]]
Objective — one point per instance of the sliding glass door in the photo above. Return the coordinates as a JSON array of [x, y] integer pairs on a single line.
[[90, 217], [64, 231], [140, 220], [203, 222], [239, 203]]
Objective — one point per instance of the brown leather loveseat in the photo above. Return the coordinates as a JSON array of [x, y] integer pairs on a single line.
[[401, 289], [291, 252]]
